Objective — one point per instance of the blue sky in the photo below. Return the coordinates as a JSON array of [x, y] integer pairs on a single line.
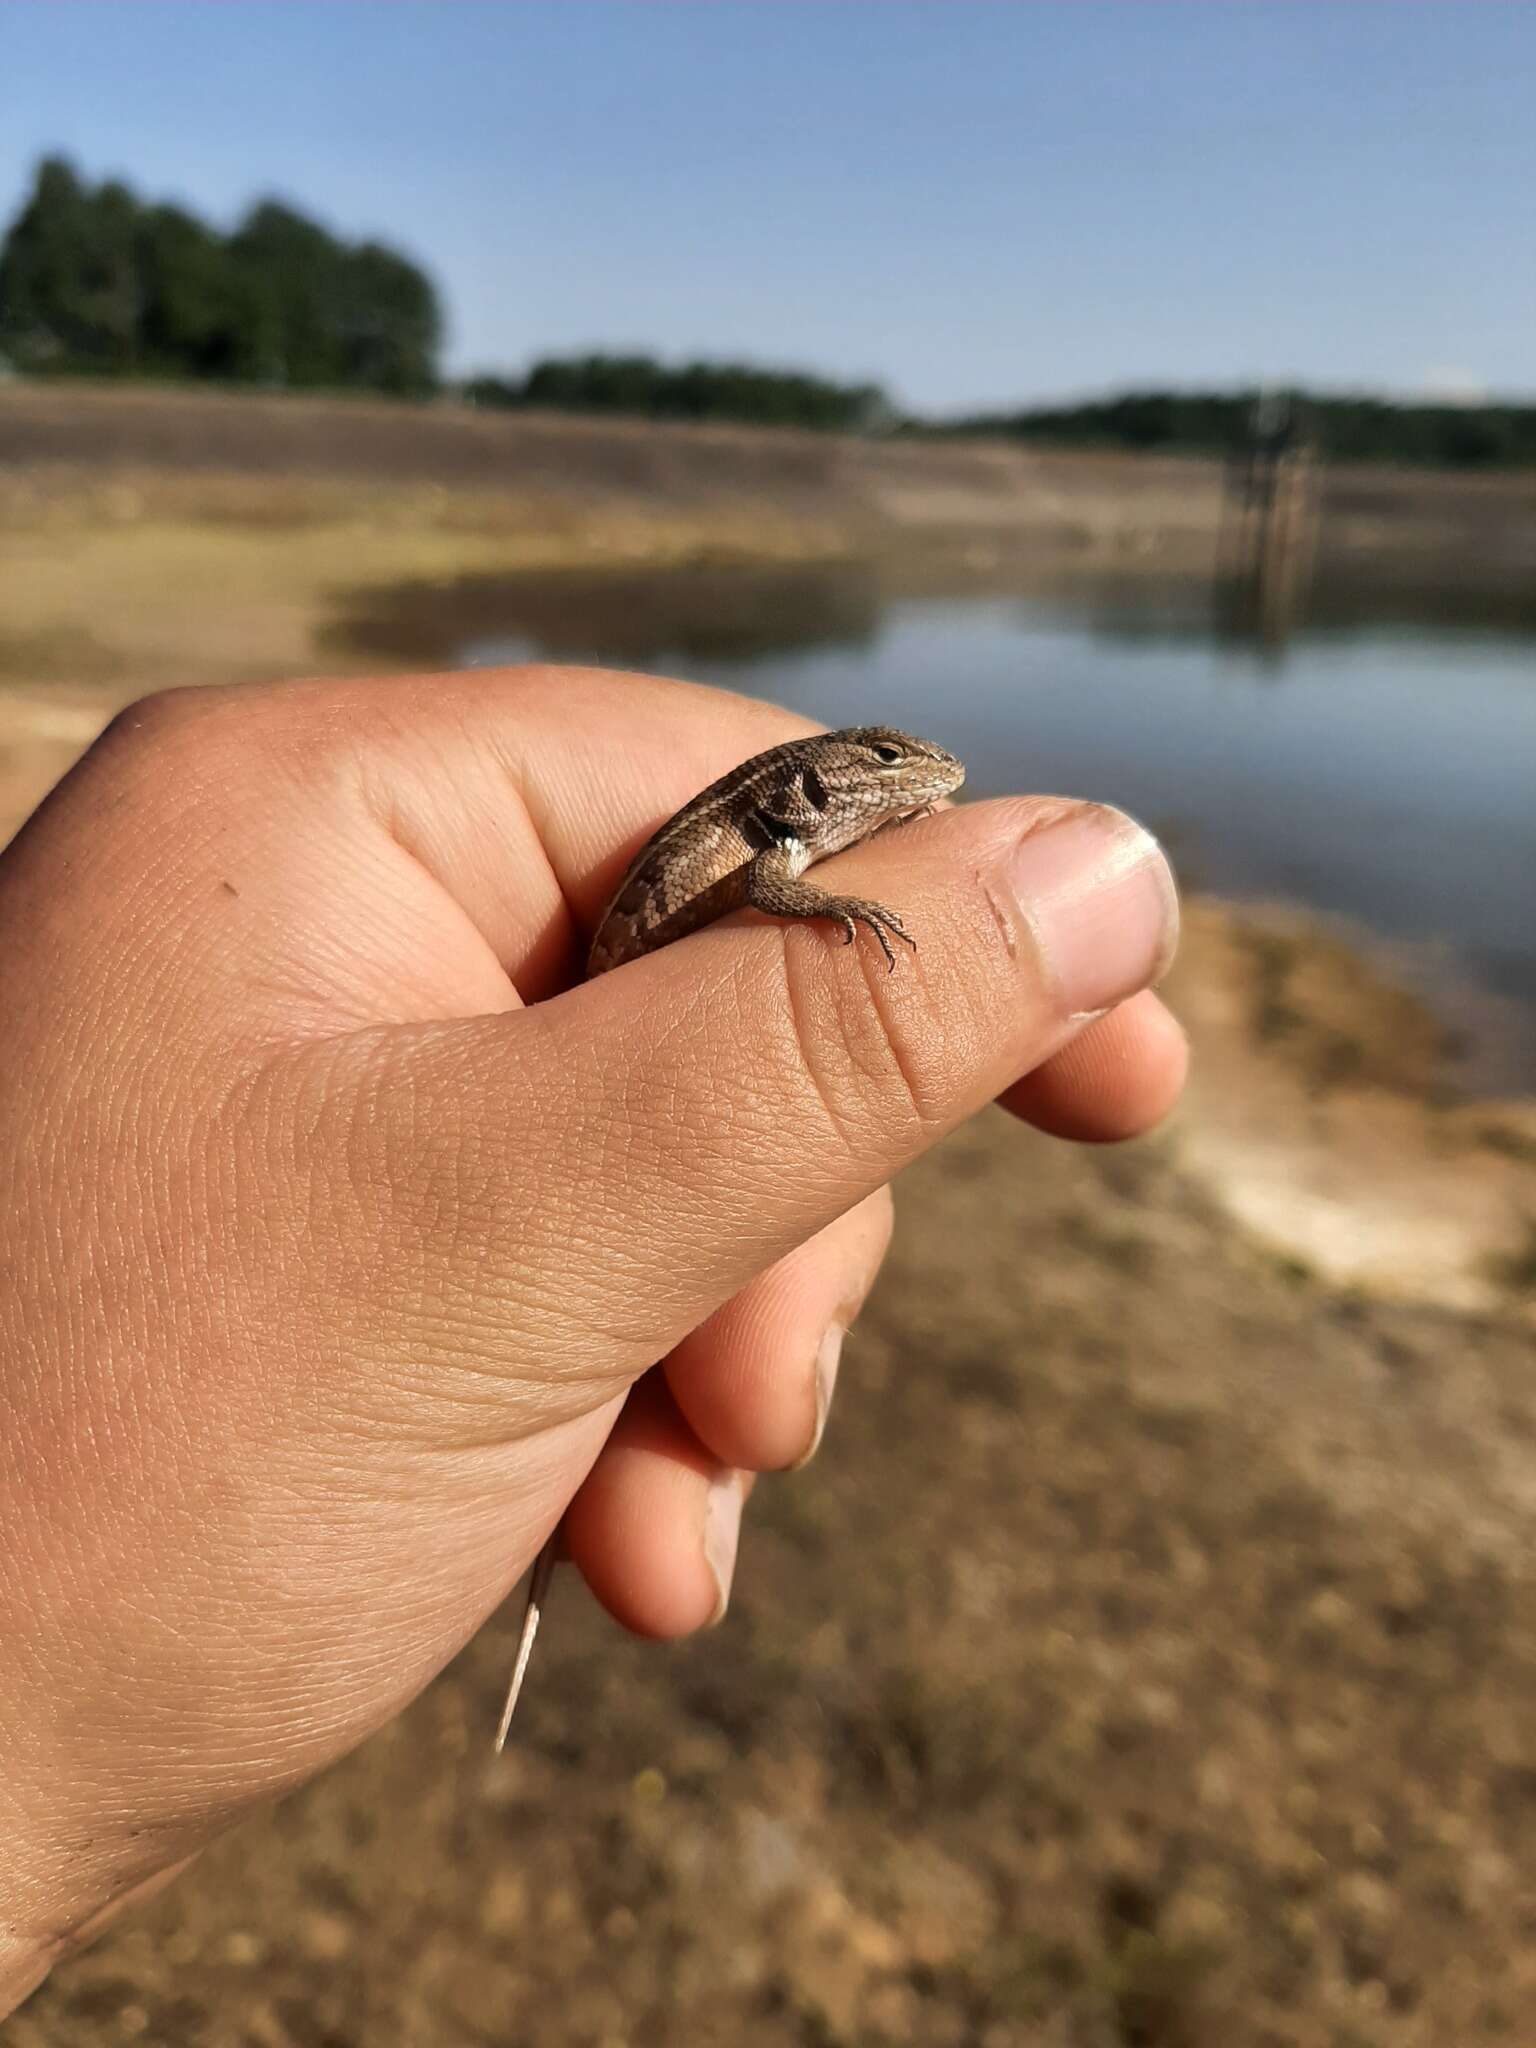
[[971, 200]]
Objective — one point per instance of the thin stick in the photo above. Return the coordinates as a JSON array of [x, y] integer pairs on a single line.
[[538, 1588]]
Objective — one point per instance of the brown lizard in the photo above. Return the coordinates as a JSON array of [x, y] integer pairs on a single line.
[[747, 840]]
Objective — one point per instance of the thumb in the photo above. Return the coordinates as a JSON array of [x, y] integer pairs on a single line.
[[615, 1162]]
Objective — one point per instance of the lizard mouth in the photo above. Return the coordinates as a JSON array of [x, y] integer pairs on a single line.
[[927, 809]]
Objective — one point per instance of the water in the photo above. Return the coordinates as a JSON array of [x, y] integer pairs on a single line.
[[1385, 773]]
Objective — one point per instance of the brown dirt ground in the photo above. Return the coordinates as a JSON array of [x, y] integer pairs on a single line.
[[1148, 1660]]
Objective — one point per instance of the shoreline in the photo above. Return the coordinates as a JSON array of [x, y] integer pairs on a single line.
[[235, 536]]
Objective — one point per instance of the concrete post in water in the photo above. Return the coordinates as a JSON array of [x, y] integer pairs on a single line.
[[1268, 534]]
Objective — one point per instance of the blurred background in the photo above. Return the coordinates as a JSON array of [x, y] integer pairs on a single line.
[[1141, 401]]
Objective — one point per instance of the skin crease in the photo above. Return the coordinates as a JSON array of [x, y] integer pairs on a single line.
[[342, 1230]]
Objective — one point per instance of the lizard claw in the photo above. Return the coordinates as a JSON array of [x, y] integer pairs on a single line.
[[880, 921]]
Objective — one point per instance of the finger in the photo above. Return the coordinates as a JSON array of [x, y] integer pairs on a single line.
[[755, 1381], [706, 1108], [503, 801], [654, 1526], [554, 775], [1118, 1078]]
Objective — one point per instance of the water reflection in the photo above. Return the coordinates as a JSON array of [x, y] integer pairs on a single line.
[[645, 619], [1383, 771]]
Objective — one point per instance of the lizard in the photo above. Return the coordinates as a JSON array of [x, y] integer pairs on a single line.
[[747, 840]]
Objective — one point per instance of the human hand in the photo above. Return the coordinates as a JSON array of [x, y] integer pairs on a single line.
[[342, 1226]]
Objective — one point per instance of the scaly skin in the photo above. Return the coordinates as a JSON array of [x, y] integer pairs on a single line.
[[749, 837]]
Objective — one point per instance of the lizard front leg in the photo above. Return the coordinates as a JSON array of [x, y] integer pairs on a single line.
[[773, 884]]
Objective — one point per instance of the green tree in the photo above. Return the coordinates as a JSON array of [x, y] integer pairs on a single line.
[[1349, 429], [390, 325], [68, 287], [700, 390], [289, 272], [92, 281], [194, 312]]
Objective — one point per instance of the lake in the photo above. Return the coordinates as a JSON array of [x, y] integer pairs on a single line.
[[1383, 772]]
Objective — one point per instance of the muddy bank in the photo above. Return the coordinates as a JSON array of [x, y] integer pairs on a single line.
[[843, 493], [866, 489]]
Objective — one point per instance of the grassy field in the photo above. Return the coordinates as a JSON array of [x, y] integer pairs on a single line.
[[1147, 1662]]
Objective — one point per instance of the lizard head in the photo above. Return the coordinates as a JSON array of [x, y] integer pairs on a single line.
[[915, 772]]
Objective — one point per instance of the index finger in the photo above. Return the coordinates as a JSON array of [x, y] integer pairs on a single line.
[[525, 792]]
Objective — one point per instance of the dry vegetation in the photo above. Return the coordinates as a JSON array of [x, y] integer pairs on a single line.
[[1148, 1660]]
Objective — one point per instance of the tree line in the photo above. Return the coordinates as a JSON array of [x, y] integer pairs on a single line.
[[689, 391], [1345, 429], [95, 282]]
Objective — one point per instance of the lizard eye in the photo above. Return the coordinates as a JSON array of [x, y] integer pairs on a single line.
[[890, 755]]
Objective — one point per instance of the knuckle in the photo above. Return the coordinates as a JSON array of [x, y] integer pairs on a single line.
[[197, 730], [154, 719], [191, 746], [147, 763]]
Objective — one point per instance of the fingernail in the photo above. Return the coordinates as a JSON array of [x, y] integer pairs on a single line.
[[824, 1376], [722, 1533], [1100, 896]]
